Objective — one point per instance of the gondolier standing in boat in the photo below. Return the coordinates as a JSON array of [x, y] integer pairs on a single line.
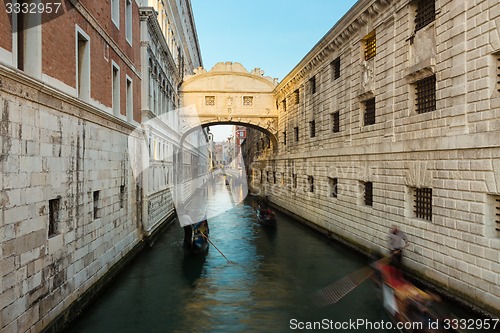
[[397, 242]]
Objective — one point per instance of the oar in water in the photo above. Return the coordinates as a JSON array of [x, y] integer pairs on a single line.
[[334, 292], [208, 239]]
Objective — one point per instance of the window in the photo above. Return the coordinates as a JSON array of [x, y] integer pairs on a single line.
[[335, 68], [247, 100], [294, 180], [210, 100], [333, 187], [115, 12], [284, 138], [369, 115], [425, 13], [129, 100], [54, 206], [116, 89], [261, 174], [122, 196], [97, 210], [497, 56], [423, 203], [426, 94], [274, 177], [267, 176], [283, 103], [312, 85], [310, 183], [312, 128], [83, 65], [493, 215], [336, 122], [369, 193], [28, 33], [370, 45], [296, 129], [128, 20], [296, 95]]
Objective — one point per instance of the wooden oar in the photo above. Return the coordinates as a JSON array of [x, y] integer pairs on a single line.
[[208, 239], [334, 292]]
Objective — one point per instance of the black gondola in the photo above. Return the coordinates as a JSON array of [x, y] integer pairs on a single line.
[[196, 237], [266, 217]]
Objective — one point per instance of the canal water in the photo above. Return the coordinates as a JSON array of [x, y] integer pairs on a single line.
[[264, 287]]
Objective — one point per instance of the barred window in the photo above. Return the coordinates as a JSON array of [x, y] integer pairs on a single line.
[[312, 128], [369, 115], [296, 129], [210, 100], [426, 94], [247, 100], [497, 215], [312, 84], [335, 67], [423, 203], [498, 71], [97, 208], [336, 121], [425, 13], [294, 180], [369, 193], [54, 206], [370, 42], [284, 138], [333, 186], [296, 95], [284, 104], [274, 177], [310, 183]]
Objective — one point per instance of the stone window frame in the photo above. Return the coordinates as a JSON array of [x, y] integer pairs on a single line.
[[115, 89], [492, 216], [335, 68], [312, 128], [96, 205], [296, 131], [333, 184], [294, 180], [83, 67], [497, 71], [54, 217], [313, 85], [283, 103], [274, 177], [128, 22], [122, 196], [368, 193], [335, 116], [425, 94], [310, 183], [369, 111], [284, 138], [425, 13], [129, 98], [369, 45], [296, 95], [422, 202], [115, 12]]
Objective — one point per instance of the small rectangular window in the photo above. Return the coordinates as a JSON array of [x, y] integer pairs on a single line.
[[97, 210], [296, 95], [115, 12], [312, 85], [294, 180], [497, 56], [129, 100], [336, 122], [369, 116], [369, 193], [423, 203], [426, 94], [283, 103], [333, 187], [122, 196], [312, 128], [310, 183], [267, 176], [116, 89], [274, 177], [284, 138], [54, 206], [425, 13], [83, 66], [261, 175], [496, 214], [370, 45], [296, 129], [247, 100], [335, 68], [210, 100]]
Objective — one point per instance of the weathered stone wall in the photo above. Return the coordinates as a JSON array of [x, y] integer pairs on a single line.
[[454, 150]]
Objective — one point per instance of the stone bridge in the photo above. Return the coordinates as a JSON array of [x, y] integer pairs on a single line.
[[229, 94]]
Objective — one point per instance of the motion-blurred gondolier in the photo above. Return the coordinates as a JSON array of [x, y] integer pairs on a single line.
[[397, 242]]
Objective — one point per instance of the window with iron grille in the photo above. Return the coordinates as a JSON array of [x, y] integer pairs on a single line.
[[294, 180], [423, 203], [54, 206], [336, 121], [312, 128], [312, 84], [296, 129], [284, 104], [97, 210], [335, 67], [369, 116], [425, 13], [310, 183], [333, 186], [296, 95], [284, 138], [498, 71], [425, 91], [210, 100], [369, 193], [497, 215], [370, 41], [274, 177]]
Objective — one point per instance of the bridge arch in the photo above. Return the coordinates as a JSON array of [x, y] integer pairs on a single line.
[[229, 94]]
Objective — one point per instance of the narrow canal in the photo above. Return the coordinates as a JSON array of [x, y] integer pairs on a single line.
[[265, 286]]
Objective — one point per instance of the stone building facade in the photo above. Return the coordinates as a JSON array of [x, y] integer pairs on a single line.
[[72, 208], [394, 118]]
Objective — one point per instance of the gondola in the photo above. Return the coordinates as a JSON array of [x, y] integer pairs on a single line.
[[266, 217], [407, 304], [196, 237]]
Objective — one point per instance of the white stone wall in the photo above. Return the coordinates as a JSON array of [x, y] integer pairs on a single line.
[[53, 146], [455, 150]]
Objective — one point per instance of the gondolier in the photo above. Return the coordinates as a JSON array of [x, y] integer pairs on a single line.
[[397, 242]]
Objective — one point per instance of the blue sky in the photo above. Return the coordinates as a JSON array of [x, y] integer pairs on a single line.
[[273, 35]]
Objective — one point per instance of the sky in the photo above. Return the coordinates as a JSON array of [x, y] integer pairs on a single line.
[[273, 35]]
